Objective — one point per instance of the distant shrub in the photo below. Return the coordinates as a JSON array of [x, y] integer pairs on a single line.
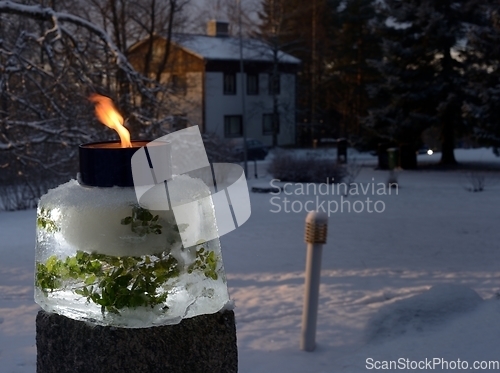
[[305, 169], [476, 181]]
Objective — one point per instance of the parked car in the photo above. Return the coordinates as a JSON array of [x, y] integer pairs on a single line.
[[256, 150]]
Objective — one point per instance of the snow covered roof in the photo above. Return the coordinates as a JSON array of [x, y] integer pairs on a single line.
[[228, 48]]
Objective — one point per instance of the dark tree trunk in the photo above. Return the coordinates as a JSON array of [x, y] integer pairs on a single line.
[[148, 57], [274, 84], [447, 144], [166, 53]]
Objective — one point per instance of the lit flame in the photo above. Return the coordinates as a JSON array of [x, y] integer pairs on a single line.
[[109, 116]]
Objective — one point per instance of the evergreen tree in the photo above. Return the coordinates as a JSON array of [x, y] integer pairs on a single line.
[[355, 45], [423, 69], [484, 77]]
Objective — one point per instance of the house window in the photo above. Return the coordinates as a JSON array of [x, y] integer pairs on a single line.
[[274, 84], [179, 84], [267, 124], [252, 84], [233, 126], [229, 83]]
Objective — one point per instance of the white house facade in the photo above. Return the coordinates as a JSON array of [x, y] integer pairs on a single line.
[[210, 91]]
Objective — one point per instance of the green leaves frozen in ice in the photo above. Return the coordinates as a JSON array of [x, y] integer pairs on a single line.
[[142, 221], [109, 281], [206, 262], [45, 221], [115, 282]]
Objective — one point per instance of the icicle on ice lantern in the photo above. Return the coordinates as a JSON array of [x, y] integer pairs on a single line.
[[104, 257]]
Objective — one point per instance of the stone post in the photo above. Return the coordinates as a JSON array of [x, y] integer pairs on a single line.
[[202, 344]]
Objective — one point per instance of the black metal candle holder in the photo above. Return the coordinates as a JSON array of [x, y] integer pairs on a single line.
[[107, 164]]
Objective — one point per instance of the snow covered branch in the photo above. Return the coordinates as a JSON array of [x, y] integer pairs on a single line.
[[48, 14]]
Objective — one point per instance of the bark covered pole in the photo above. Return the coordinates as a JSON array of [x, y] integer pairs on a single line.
[[315, 237]]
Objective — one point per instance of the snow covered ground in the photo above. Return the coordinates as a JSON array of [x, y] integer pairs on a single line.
[[375, 303]]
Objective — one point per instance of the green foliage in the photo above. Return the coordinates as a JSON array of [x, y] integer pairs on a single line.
[[142, 222], [47, 275], [206, 262], [44, 221], [111, 282], [114, 282]]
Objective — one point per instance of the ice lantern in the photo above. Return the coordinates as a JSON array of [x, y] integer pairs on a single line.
[[105, 258]]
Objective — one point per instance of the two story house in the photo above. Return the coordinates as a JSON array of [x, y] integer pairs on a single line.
[[204, 74]]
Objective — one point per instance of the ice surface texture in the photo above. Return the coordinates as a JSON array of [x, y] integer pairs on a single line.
[[103, 258]]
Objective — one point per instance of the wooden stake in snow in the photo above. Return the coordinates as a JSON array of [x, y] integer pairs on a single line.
[[315, 237]]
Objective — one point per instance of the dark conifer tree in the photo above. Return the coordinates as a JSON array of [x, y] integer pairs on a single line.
[[355, 46], [424, 66], [481, 109]]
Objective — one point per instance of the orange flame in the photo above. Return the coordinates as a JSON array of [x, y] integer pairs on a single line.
[[109, 116]]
